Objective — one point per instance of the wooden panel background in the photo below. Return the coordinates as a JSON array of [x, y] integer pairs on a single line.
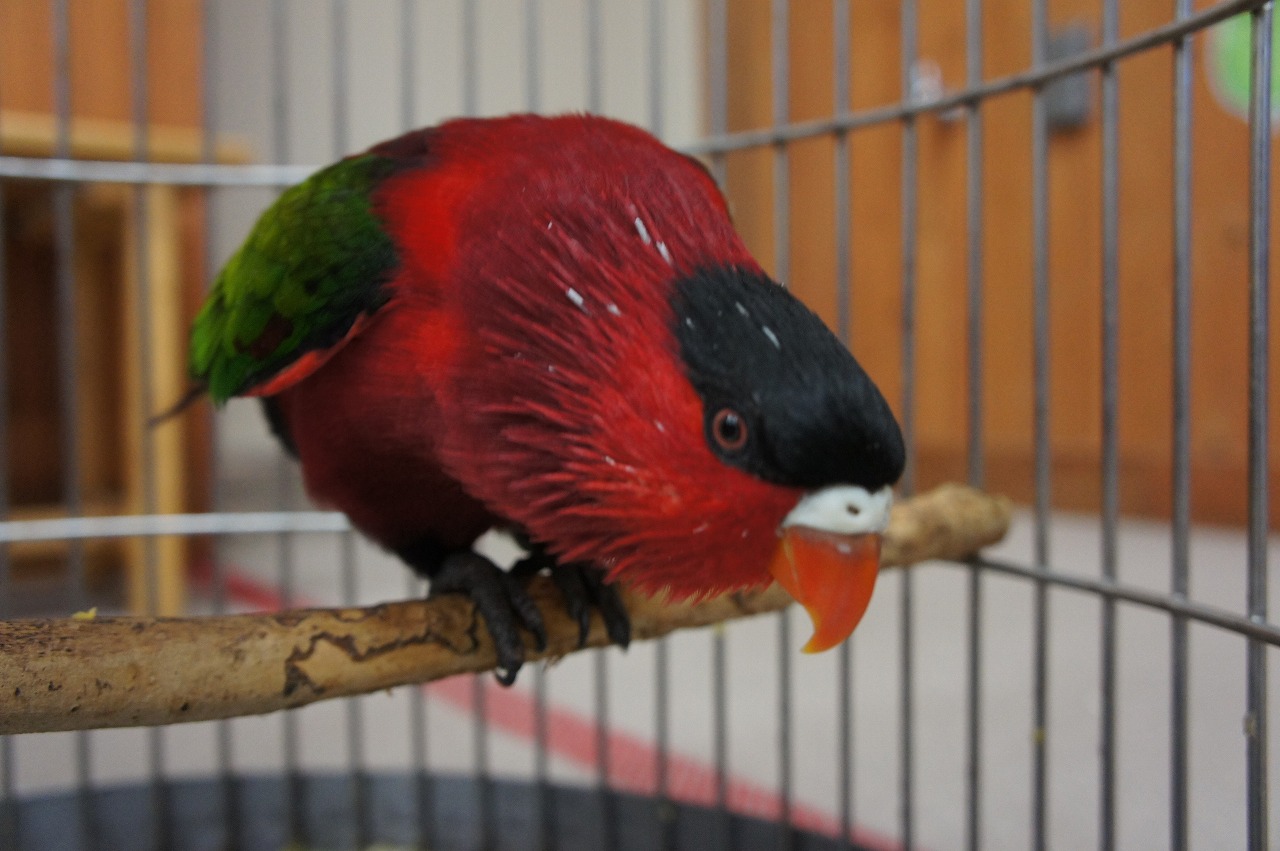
[[106, 269], [1219, 251], [100, 59]]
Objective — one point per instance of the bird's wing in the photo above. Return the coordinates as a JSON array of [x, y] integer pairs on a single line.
[[311, 274]]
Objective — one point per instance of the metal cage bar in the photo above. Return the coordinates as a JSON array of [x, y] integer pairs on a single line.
[[8, 796], [780, 110], [1180, 568], [909, 195], [228, 780], [842, 86], [161, 821], [1110, 456], [1040, 423], [976, 460], [419, 745], [1260, 123], [65, 283], [718, 112]]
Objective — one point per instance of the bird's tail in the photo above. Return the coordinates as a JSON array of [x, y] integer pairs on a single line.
[[192, 394]]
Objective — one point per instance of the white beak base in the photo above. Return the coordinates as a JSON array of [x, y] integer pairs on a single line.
[[843, 510]]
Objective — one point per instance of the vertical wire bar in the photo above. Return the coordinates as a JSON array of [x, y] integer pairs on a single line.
[[910, 204], [68, 357], [423, 791], [608, 820], [595, 79], [1040, 239], [608, 816], [718, 73], [290, 722], [545, 830], [1259, 345], [279, 82], [470, 58], [139, 95], [1110, 459], [161, 822], [358, 780], [338, 72], [656, 9], [228, 784], [480, 724], [532, 46], [662, 651], [1179, 674], [408, 65], [662, 743], [354, 708], [480, 744], [780, 57], [8, 800], [840, 20], [480, 721], [419, 744], [974, 177], [600, 657]]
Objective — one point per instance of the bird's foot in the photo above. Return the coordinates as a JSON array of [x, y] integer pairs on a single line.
[[583, 587], [502, 600]]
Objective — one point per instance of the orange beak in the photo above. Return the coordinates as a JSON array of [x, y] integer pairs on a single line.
[[831, 575]]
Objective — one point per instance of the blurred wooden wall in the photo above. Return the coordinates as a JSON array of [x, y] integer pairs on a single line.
[[107, 265], [1219, 251], [100, 63]]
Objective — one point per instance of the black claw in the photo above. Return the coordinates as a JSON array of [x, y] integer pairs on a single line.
[[573, 587], [617, 623], [500, 600], [583, 587], [524, 607]]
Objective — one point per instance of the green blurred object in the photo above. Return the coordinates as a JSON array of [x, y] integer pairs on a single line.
[[1230, 51]]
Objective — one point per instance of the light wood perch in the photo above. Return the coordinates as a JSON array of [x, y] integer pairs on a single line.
[[69, 674]]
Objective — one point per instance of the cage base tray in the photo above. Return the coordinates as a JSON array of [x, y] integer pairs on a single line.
[[252, 813]]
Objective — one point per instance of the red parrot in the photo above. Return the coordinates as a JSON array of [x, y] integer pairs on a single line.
[[548, 325]]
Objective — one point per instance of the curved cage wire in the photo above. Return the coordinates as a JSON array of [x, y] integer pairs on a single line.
[[1101, 678]]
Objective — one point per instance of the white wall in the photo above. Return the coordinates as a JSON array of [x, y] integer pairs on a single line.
[[244, 56]]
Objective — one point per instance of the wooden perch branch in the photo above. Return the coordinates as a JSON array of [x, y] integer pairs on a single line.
[[68, 674]]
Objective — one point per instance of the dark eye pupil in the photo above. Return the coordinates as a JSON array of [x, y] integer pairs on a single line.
[[730, 431]]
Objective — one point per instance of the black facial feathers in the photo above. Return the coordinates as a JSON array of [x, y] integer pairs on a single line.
[[800, 410]]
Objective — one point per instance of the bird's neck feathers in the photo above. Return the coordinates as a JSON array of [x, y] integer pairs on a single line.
[[578, 384]]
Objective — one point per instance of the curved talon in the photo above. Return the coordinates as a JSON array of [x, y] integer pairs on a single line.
[[501, 600], [583, 588], [617, 622], [522, 603], [571, 581]]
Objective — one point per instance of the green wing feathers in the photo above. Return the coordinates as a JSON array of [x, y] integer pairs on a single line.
[[317, 261]]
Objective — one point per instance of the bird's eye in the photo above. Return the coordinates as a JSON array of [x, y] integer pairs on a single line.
[[729, 430]]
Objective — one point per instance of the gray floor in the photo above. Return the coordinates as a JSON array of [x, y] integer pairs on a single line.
[[939, 615]]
